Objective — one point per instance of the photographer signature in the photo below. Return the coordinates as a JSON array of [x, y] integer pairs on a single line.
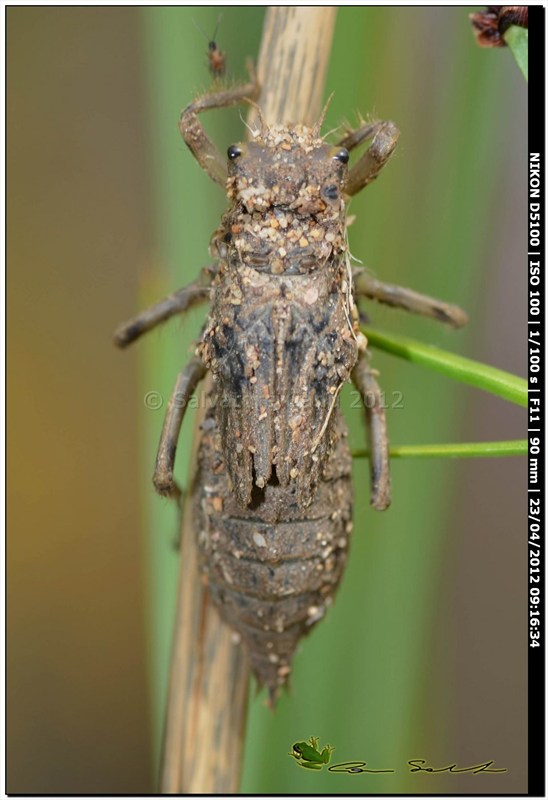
[[415, 765]]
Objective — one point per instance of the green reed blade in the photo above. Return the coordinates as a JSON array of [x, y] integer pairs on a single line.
[[492, 380], [516, 447], [517, 39]]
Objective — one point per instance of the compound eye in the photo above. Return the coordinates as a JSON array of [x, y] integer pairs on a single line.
[[234, 151], [342, 155]]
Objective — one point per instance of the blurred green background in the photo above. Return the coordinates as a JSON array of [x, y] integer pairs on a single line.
[[424, 653]]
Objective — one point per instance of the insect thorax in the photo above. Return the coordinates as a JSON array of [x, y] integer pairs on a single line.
[[279, 338]]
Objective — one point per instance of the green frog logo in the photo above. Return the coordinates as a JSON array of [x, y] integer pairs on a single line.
[[308, 755]]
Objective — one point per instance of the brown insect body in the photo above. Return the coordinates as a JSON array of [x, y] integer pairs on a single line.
[[216, 59], [279, 339], [280, 344], [272, 494]]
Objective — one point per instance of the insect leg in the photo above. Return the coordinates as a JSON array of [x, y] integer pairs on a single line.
[[400, 297], [187, 381], [202, 148], [182, 300], [385, 137], [364, 381]]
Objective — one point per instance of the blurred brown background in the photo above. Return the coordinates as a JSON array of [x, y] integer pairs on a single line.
[[79, 236]]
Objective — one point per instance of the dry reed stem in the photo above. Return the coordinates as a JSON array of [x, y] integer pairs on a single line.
[[208, 689]]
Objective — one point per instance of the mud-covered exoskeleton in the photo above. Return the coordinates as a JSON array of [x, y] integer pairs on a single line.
[[272, 495]]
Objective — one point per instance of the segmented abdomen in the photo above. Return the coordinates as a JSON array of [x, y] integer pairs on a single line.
[[272, 568]]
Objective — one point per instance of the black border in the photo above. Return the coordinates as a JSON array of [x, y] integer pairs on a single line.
[[536, 655]]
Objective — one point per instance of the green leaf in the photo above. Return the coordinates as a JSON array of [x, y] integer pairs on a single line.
[[517, 39], [516, 447], [495, 381]]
